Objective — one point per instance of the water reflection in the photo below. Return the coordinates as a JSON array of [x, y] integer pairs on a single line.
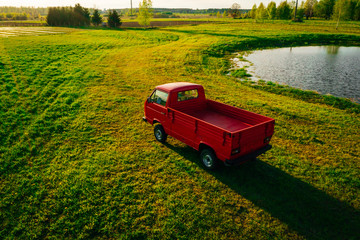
[[331, 70], [332, 49]]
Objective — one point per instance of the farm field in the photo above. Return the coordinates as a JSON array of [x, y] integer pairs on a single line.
[[77, 161], [32, 31]]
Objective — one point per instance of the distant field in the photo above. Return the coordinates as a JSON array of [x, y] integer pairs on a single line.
[[31, 31], [76, 160]]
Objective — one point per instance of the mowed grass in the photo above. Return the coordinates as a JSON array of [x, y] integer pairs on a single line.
[[76, 161]]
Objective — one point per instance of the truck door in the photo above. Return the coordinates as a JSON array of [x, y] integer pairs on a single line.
[[183, 126], [156, 108]]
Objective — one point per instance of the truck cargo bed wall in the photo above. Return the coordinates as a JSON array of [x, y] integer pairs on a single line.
[[237, 113]]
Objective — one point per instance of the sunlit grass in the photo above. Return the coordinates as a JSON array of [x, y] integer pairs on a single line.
[[76, 160]]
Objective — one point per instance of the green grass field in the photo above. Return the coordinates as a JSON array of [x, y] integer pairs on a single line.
[[77, 161]]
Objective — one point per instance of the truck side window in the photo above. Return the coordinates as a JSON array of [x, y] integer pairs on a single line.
[[159, 97], [187, 95]]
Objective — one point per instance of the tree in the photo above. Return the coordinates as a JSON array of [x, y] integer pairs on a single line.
[[145, 13], [325, 8], [81, 15], [357, 11], [253, 12], [224, 14], [68, 16], [344, 10], [96, 18], [235, 10], [283, 11], [299, 16], [295, 11], [218, 15], [309, 8], [261, 12], [271, 10], [114, 20]]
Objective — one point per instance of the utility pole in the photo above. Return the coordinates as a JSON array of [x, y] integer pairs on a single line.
[[295, 10], [131, 7]]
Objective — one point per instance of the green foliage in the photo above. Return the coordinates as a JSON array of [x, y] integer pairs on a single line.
[[21, 13], [283, 11], [253, 11], [234, 11], [114, 20], [325, 8], [76, 161], [261, 12], [96, 18], [14, 16], [344, 10], [68, 16], [271, 10], [309, 8], [240, 73], [145, 13], [357, 11]]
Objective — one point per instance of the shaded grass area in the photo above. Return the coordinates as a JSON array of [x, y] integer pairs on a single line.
[[304, 208], [76, 161]]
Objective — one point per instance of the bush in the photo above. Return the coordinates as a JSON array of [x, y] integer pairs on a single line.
[[240, 73]]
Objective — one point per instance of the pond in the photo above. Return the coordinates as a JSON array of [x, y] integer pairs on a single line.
[[331, 70]]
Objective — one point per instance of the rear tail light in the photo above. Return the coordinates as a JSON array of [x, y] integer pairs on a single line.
[[235, 151]]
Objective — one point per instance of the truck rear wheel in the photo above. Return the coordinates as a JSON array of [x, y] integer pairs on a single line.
[[160, 133], [209, 159]]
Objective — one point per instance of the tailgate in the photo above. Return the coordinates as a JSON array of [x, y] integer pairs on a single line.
[[253, 138]]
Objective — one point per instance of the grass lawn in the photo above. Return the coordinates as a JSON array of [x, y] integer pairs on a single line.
[[77, 161]]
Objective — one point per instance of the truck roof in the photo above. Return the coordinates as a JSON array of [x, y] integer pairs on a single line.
[[178, 86]]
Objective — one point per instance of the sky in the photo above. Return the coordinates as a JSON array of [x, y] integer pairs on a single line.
[[109, 4]]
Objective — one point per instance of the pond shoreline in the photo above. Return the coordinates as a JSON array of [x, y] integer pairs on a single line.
[[223, 51], [308, 67]]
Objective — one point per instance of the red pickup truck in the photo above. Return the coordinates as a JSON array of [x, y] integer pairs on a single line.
[[218, 131]]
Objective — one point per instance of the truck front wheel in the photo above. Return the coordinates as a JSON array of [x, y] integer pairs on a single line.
[[209, 159], [160, 133]]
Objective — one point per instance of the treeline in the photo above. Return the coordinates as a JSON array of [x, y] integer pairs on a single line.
[[179, 10], [80, 16], [327, 9], [68, 16], [30, 12], [14, 16]]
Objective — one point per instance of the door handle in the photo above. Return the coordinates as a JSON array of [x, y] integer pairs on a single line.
[[163, 113]]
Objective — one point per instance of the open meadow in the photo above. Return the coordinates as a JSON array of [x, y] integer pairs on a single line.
[[77, 161]]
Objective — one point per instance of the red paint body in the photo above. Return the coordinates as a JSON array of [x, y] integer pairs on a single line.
[[231, 132]]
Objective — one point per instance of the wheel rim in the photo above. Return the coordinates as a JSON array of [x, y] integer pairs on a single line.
[[158, 134], [207, 160]]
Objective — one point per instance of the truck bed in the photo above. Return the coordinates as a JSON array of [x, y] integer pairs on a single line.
[[220, 120], [226, 117]]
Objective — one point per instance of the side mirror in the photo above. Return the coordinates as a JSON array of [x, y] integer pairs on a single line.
[[148, 99]]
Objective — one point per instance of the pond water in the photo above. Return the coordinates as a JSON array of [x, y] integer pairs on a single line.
[[326, 69]]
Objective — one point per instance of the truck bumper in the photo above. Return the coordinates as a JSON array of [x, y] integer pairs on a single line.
[[247, 157]]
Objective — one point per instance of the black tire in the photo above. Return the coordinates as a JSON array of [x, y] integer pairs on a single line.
[[160, 133], [209, 159]]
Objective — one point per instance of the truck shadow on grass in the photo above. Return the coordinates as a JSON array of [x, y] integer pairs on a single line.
[[305, 209]]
